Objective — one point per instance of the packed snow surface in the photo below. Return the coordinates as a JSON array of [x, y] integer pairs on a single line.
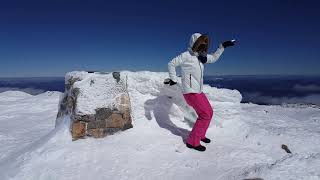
[[96, 90], [246, 139]]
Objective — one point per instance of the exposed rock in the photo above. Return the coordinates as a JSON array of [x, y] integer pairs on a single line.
[[111, 130], [285, 147], [97, 132], [103, 113], [78, 130], [116, 75], [85, 118], [116, 121], [96, 124], [127, 126]]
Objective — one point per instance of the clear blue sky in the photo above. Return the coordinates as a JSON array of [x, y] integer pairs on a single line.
[[52, 37]]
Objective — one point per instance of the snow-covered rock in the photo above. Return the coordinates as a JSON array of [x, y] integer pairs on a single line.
[[98, 104]]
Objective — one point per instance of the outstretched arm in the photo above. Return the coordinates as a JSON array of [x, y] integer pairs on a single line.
[[215, 56], [177, 61], [211, 58]]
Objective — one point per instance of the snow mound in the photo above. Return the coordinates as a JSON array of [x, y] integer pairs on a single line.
[[24, 119], [13, 95]]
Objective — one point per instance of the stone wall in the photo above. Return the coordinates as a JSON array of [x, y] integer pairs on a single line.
[[104, 120]]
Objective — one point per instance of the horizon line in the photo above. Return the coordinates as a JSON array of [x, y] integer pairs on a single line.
[[24, 77]]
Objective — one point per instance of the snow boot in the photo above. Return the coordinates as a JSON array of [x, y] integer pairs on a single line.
[[206, 140], [198, 148]]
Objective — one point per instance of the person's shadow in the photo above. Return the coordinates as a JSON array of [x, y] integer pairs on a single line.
[[160, 106]]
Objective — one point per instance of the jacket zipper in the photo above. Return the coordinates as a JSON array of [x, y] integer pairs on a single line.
[[190, 81], [200, 76]]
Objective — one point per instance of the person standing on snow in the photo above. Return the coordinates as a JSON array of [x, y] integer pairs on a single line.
[[192, 66]]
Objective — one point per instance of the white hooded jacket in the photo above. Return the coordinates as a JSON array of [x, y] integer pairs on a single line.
[[191, 68]]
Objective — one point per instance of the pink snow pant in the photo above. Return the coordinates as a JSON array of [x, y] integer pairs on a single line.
[[204, 110]]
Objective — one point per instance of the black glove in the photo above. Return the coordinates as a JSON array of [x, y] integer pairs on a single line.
[[228, 43], [170, 82]]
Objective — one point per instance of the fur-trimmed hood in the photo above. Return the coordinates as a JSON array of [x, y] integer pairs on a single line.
[[196, 40]]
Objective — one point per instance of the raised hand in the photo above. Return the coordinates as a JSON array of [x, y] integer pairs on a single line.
[[228, 43]]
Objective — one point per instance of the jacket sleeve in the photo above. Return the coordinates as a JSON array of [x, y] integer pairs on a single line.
[[215, 56], [177, 61]]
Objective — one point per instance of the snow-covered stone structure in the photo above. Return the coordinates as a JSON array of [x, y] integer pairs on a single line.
[[98, 104]]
